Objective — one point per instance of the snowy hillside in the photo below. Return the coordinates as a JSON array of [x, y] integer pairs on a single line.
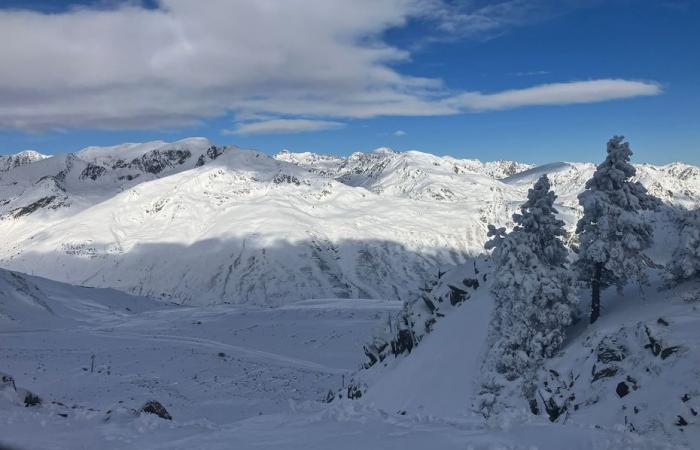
[[257, 378], [196, 223]]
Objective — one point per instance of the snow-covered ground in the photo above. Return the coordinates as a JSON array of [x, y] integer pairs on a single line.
[[245, 377]]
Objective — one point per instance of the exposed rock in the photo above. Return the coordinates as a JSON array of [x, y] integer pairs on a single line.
[[668, 351], [610, 350], [32, 207], [606, 372], [155, 161], [154, 407], [31, 399], [457, 295], [7, 381], [92, 171], [622, 389]]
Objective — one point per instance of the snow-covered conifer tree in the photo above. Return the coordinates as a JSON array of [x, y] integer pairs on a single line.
[[686, 258], [533, 289], [612, 233]]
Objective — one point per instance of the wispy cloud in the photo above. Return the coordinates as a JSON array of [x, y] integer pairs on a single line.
[[284, 126], [555, 94], [530, 73], [399, 133], [454, 20]]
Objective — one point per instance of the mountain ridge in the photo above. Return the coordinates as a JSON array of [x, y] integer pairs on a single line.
[[194, 222]]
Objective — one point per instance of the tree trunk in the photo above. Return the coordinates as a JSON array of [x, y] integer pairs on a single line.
[[595, 288]]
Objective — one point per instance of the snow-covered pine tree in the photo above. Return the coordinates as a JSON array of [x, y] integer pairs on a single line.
[[686, 258], [533, 290], [612, 233]]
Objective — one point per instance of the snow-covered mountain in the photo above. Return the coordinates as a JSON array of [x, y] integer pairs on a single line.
[[198, 223], [9, 162]]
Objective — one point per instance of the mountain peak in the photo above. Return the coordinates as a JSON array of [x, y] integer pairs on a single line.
[[9, 162]]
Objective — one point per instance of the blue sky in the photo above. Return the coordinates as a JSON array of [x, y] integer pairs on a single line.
[[556, 79]]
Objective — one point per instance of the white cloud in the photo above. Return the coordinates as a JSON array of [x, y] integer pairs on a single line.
[[555, 94], [399, 133], [284, 126], [256, 59]]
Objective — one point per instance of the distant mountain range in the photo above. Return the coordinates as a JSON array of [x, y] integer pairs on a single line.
[[198, 223]]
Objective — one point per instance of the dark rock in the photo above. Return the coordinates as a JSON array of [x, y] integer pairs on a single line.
[[534, 408], [291, 179], [92, 171], [429, 324], [661, 321], [554, 411], [457, 295], [155, 161], [609, 350], [373, 359], [681, 422], [31, 399], [214, 152], [622, 389], [471, 283], [668, 351], [429, 303], [154, 407], [26, 210], [403, 342], [605, 373], [6, 379], [354, 392], [685, 398], [654, 345]]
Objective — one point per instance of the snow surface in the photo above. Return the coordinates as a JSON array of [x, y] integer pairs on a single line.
[[437, 381], [244, 377]]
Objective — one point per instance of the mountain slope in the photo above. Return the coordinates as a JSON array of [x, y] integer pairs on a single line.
[[197, 223], [634, 371]]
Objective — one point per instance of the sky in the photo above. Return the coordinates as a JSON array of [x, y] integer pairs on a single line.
[[530, 80]]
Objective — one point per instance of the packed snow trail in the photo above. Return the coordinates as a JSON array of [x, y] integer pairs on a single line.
[[440, 375]]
